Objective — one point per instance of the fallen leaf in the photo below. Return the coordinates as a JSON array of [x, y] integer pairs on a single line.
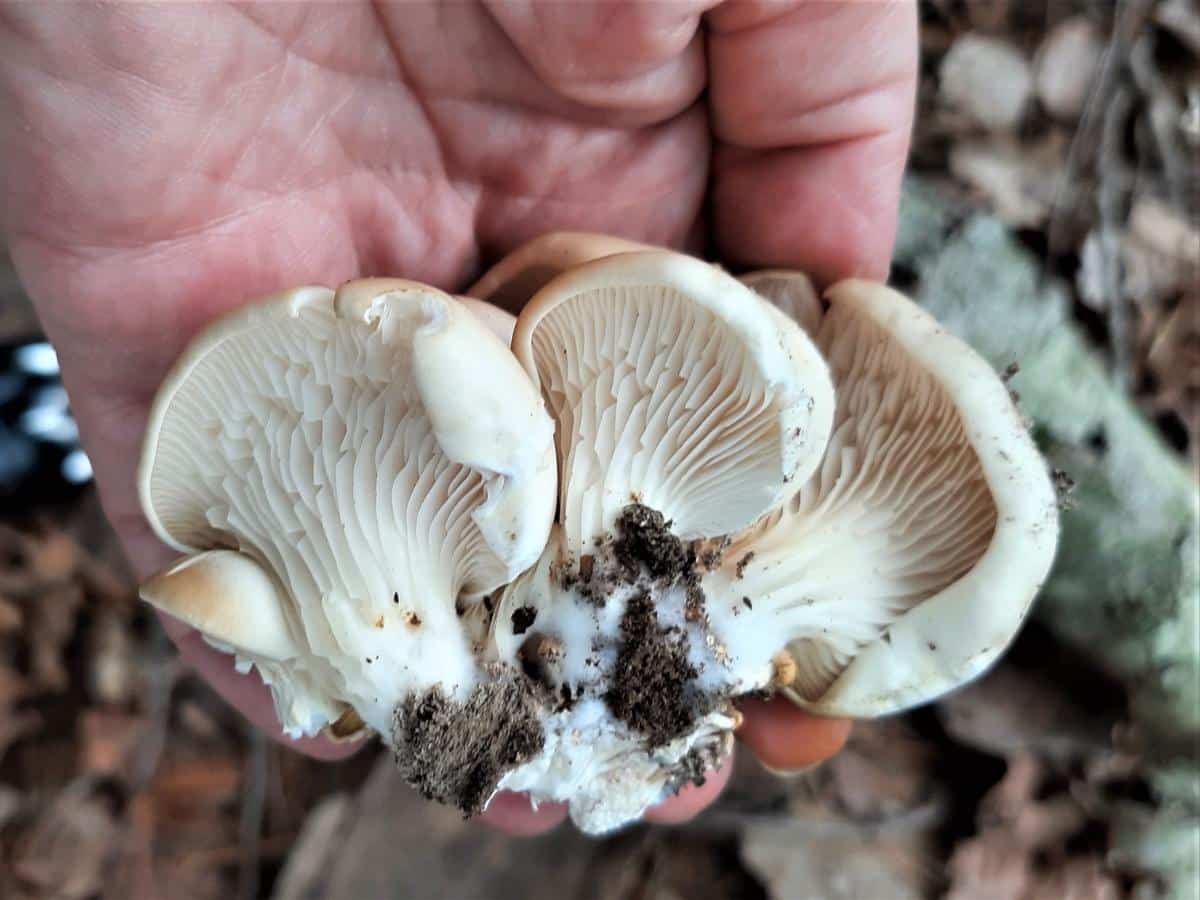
[[106, 741], [185, 787], [793, 862], [1019, 180], [1077, 879], [1160, 252], [52, 627], [67, 851], [987, 78], [10, 616], [1010, 712], [1066, 65], [988, 867], [112, 671]]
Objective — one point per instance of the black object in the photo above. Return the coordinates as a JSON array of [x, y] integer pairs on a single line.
[[40, 457]]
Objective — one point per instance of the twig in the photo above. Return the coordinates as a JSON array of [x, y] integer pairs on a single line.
[[160, 672], [1127, 23], [1113, 184], [272, 846], [254, 798], [1165, 116]]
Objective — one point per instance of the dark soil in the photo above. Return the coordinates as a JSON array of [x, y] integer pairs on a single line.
[[457, 753], [646, 541], [695, 766], [522, 618], [647, 544], [652, 687]]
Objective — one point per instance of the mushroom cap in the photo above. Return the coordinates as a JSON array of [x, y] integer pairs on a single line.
[[792, 293], [523, 272], [379, 453], [483, 411], [196, 591], [905, 566], [673, 385]]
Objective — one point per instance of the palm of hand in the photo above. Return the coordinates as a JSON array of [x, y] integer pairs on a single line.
[[164, 167]]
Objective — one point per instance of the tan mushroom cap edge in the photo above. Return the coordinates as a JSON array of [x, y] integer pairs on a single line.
[[522, 273]]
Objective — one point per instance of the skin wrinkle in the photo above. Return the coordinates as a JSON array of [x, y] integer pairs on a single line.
[[123, 272], [405, 79], [570, 62], [860, 113], [746, 96]]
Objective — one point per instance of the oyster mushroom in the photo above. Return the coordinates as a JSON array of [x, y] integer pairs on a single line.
[[905, 566], [352, 474], [837, 502]]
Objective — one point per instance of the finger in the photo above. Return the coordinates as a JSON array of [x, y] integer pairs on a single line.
[[247, 693], [692, 798], [625, 56], [785, 737], [811, 104], [514, 814]]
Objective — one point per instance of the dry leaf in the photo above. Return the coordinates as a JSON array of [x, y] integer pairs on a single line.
[[10, 616], [1004, 802], [988, 867], [53, 558], [987, 78], [882, 773], [52, 626], [1010, 712], [112, 673], [1077, 879], [66, 853], [794, 863], [1160, 252], [107, 740], [185, 787], [10, 806], [1181, 18], [1019, 180], [1066, 65]]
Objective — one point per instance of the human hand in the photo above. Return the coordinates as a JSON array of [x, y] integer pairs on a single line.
[[162, 165]]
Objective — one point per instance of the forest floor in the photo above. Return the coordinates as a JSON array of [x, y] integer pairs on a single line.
[[122, 775]]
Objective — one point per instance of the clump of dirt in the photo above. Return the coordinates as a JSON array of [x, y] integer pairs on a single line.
[[646, 541], [457, 753], [711, 553], [1064, 489], [653, 685], [697, 764], [522, 618]]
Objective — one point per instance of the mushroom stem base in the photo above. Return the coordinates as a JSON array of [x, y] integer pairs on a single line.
[[606, 774]]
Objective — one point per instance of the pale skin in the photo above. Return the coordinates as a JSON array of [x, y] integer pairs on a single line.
[[162, 165]]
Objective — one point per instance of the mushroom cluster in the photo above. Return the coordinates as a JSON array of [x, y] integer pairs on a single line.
[[548, 553]]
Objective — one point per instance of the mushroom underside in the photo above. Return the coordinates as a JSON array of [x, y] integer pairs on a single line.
[[898, 510], [729, 486]]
